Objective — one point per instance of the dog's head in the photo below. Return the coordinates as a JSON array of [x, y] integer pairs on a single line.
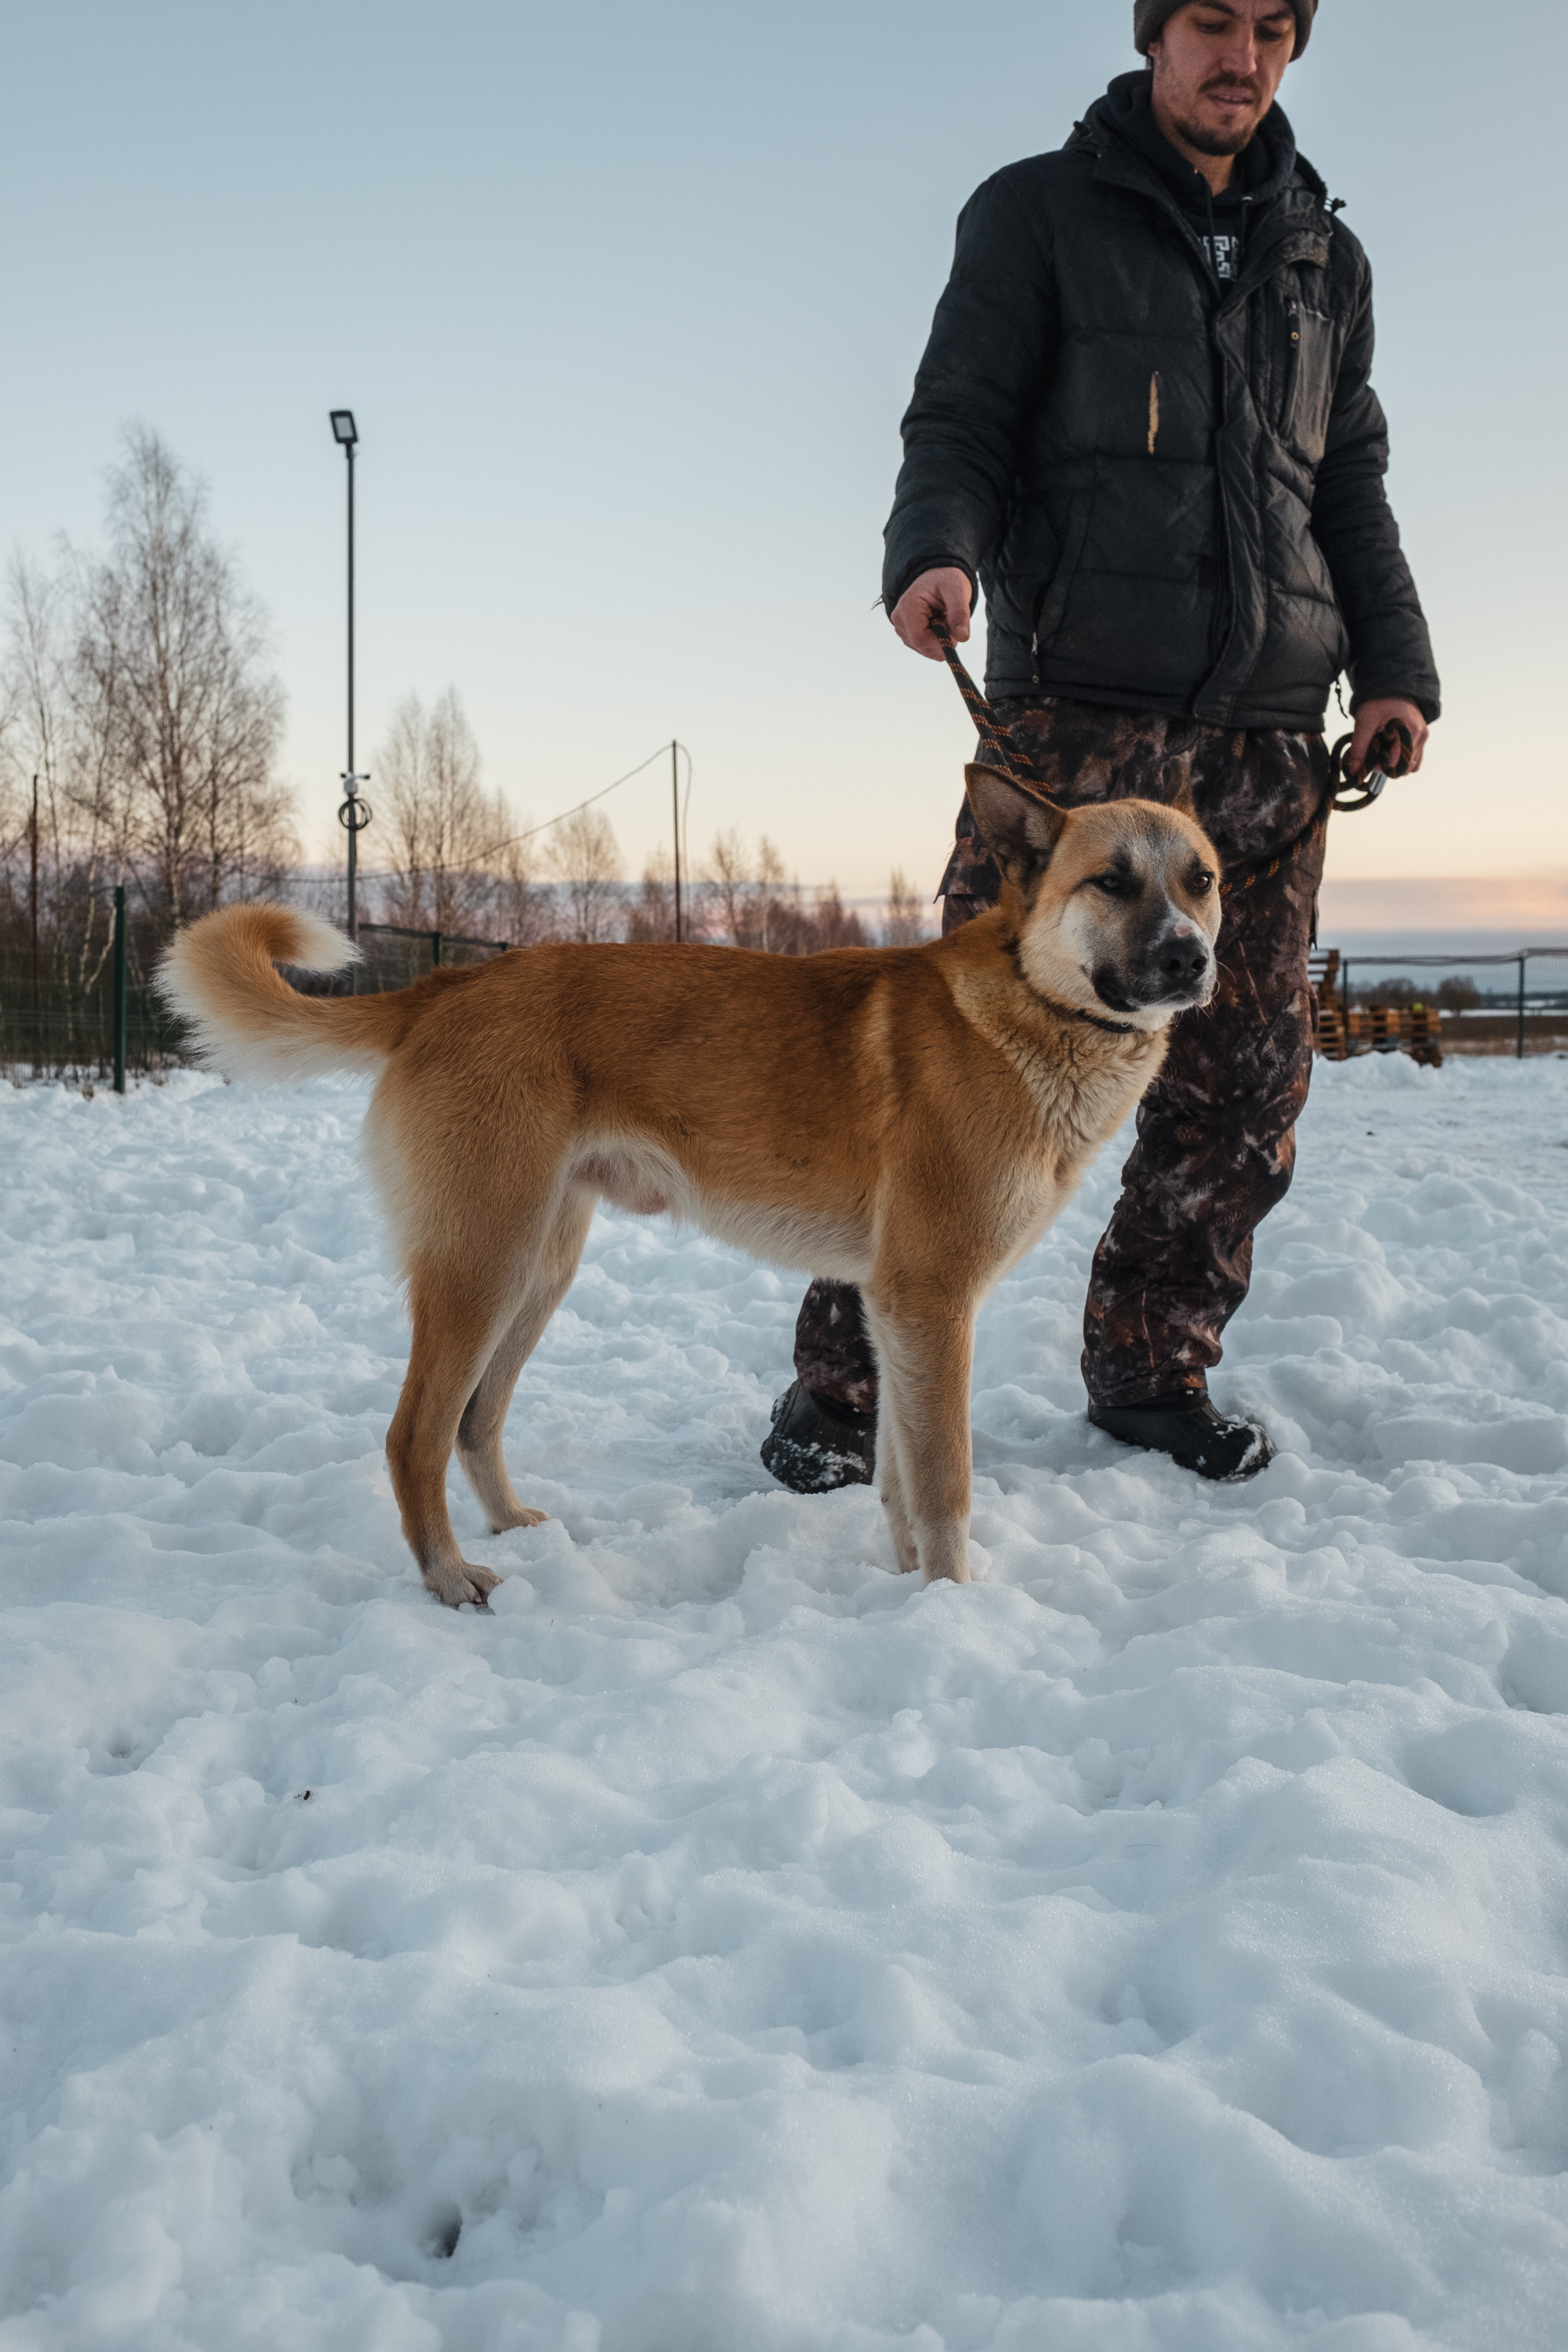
[[1120, 902]]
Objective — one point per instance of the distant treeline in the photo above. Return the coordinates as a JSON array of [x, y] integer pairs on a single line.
[[140, 721]]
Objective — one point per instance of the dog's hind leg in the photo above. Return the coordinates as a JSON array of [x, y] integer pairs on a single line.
[[484, 1416], [455, 1316], [923, 1353]]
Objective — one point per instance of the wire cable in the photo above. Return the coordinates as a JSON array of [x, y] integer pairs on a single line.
[[514, 838], [511, 840]]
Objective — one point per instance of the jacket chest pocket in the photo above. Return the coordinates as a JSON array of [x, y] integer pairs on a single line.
[[1304, 374]]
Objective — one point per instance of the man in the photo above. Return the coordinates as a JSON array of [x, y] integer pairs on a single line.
[[1143, 426]]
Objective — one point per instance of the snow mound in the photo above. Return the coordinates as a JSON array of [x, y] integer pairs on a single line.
[[1159, 1945]]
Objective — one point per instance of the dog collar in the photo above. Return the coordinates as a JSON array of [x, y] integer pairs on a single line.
[[1071, 1012], [1076, 1012]]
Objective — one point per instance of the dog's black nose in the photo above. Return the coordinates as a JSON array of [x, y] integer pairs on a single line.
[[1183, 959]]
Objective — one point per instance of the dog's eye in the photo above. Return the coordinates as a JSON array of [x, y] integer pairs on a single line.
[[1202, 881], [1115, 886]]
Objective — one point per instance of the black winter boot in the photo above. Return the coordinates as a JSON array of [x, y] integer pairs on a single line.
[[1187, 1427], [816, 1444]]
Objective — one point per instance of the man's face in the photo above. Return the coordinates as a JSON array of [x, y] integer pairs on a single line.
[[1217, 65]]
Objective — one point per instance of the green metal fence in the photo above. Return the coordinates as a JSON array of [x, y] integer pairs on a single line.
[[100, 1028], [114, 1025], [395, 956]]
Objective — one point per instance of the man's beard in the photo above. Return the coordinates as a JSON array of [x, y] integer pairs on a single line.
[[1216, 143]]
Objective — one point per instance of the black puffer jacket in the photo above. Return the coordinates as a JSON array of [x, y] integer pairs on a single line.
[[1169, 486]]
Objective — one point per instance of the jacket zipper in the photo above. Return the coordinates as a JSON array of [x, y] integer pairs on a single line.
[[1293, 360], [1226, 293]]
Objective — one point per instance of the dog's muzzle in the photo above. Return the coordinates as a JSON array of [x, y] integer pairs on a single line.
[[1177, 970]]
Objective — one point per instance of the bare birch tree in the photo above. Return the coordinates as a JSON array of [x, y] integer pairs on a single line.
[[57, 733], [171, 680], [835, 925], [726, 874], [520, 907], [652, 918], [752, 903], [906, 924], [32, 752], [458, 862], [769, 896], [136, 687], [586, 858]]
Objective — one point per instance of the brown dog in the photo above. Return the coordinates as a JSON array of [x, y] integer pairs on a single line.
[[908, 1119]]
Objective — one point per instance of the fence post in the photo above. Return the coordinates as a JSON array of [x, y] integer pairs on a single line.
[[1520, 1056], [120, 988], [434, 950]]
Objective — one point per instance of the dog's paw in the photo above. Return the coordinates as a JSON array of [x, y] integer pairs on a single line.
[[465, 1582], [905, 1551], [522, 1518]]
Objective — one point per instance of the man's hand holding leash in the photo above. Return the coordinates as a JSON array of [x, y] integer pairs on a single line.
[[1373, 743], [944, 594]]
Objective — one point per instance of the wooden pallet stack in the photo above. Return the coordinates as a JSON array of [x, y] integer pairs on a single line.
[[1337, 1035]]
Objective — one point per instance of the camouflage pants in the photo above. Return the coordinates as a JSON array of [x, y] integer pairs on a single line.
[[1215, 1139]]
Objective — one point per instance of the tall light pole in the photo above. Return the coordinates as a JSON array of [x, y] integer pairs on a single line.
[[675, 797], [354, 815]]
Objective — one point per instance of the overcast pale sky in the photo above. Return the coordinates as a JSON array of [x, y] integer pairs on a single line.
[[627, 301]]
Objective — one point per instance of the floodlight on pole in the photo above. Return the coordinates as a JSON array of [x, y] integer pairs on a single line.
[[353, 815]]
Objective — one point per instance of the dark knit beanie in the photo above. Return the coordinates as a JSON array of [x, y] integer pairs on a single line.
[[1148, 15]]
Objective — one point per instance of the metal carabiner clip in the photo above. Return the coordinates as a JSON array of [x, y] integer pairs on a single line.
[[1372, 780]]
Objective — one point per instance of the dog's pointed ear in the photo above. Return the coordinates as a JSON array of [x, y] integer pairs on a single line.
[[1020, 832], [1182, 799]]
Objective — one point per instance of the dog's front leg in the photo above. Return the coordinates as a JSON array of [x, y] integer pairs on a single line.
[[924, 1348], [900, 1526]]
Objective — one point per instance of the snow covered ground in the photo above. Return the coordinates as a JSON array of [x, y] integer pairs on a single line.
[[725, 1946]]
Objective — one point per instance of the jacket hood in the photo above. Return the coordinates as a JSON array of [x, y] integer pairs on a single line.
[[1267, 164]]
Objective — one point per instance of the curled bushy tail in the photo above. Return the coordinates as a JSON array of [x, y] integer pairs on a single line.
[[220, 976]]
